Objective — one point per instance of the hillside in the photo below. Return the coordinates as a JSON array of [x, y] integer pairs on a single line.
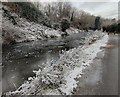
[[18, 27]]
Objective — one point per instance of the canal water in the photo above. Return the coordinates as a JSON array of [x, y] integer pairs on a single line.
[[19, 60]]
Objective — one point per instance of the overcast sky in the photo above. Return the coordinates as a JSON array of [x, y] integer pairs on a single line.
[[104, 9]]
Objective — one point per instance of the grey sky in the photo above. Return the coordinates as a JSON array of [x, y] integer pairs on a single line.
[[104, 9]]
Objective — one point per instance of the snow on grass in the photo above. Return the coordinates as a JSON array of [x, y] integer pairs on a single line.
[[89, 53], [54, 33], [72, 31], [26, 31], [59, 77]]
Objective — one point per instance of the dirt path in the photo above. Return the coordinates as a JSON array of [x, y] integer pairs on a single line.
[[101, 77]]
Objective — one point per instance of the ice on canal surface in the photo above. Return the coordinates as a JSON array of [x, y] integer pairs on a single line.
[[59, 77]]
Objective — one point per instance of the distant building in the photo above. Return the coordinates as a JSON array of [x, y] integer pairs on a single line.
[[97, 23]]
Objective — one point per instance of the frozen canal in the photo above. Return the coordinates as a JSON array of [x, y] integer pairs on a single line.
[[21, 59]]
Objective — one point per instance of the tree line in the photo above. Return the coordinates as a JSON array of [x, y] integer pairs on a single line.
[[57, 14], [114, 28]]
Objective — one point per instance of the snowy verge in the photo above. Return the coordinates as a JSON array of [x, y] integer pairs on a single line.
[[26, 31], [59, 77], [88, 54], [72, 30], [29, 31]]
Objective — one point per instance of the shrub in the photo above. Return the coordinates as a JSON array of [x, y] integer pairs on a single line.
[[65, 24], [56, 26], [118, 28], [113, 28], [46, 21]]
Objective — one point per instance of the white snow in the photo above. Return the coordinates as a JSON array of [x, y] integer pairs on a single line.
[[89, 54], [72, 31], [26, 31], [59, 77], [51, 32]]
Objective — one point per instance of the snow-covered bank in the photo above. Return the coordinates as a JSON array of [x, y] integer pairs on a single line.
[[59, 77], [88, 54], [29, 31], [25, 31]]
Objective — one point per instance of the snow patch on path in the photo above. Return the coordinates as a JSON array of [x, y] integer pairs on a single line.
[[90, 52]]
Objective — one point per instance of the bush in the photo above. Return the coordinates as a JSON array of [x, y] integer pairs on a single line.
[[29, 11], [118, 28], [56, 26], [65, 24], [104, 29], [113, 28], [46, 21]]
